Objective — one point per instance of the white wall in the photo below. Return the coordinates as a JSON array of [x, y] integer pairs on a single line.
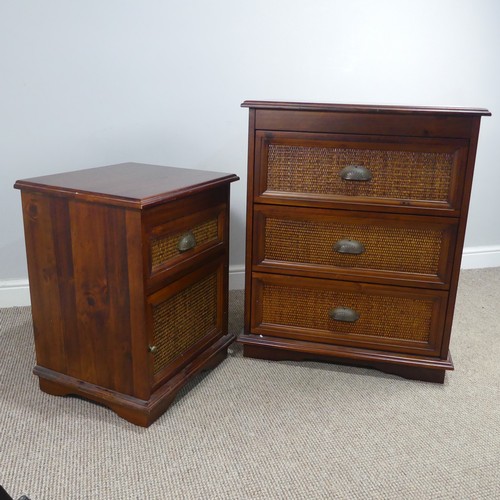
[[91, 83]]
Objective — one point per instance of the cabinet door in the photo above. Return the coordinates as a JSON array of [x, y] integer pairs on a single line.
[[184, 318]]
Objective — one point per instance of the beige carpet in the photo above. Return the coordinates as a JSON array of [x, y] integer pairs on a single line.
[[266, 430]]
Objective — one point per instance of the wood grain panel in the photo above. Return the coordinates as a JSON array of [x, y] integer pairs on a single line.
[[40, 227]]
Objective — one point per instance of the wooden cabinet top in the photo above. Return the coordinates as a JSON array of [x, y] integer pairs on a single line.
[[365, 108], [133, 185]]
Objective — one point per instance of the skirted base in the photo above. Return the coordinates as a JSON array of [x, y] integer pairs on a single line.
[[137, 411], [410, 367]]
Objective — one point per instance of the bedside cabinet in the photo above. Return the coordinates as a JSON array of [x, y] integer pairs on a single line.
[[356, 218], [128, 272]]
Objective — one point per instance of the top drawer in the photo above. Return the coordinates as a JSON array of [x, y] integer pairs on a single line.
[[409, 174], [183, 234]]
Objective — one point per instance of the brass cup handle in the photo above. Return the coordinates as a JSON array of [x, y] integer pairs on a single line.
[[186, 242], [344, 314], [353, 247], [355, 173]]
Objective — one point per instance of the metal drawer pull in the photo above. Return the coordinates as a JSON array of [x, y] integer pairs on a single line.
[[344, 314], [186, 242], [353, 247], [355, 173], [152, 349]]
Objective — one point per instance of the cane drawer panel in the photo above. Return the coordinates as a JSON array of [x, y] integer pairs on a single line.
[[184, 316], [166, 247], [413, 248], [302, 308], [185, 238], [402, 172]]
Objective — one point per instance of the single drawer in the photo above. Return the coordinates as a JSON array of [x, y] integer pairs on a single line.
[[176, 241], [389, 318], [354, 245], [392, 172], [185, 316], [189, 234]]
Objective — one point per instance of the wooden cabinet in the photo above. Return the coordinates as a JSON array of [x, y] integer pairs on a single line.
[[128, 271], [356, 218]]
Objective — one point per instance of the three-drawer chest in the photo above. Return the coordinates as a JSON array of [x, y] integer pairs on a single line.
[[128, 272], [356, 218]]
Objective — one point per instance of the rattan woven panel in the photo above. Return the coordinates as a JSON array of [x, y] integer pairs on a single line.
[[183, 320], [396, 174], [400, 249], [403, 318], [164, 249]]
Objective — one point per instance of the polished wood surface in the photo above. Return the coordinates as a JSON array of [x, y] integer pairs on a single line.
[[398, 245], [401, 319], [94, 290], [391, 183], [135, 185], [416, 202], [407, 367], [366, 108]]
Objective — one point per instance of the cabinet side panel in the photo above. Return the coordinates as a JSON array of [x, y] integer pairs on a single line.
[[457, 257], [223, 288], [91, 292], [101, 339], [42, 231], [249, 222], [118, 347]]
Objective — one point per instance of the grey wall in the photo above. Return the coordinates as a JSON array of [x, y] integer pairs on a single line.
[[97, 82]]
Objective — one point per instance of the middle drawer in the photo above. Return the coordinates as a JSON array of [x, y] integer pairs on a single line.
[[360, 246]]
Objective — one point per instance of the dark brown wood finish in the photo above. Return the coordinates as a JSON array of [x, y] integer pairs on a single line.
[[249, 217], [381, 109], [89, 237], [133, 185], [174, 219], [394, 254], [389, 193], [296, 201], [299, 309]]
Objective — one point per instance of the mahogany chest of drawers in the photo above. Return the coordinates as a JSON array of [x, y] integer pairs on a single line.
[[356, 218], [128, 272]]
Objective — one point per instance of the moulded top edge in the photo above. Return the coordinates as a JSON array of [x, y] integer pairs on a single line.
[[365, 108], [134, 185]]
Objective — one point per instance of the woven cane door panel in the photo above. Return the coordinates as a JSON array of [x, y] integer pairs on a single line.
[[409, 247], [392, 173], [389, 318], [183, 320]]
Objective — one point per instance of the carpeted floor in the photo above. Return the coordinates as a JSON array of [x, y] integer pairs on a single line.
[[255, 429]]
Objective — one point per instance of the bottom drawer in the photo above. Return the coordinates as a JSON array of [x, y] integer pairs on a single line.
[[185, 318], [353, 314]]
